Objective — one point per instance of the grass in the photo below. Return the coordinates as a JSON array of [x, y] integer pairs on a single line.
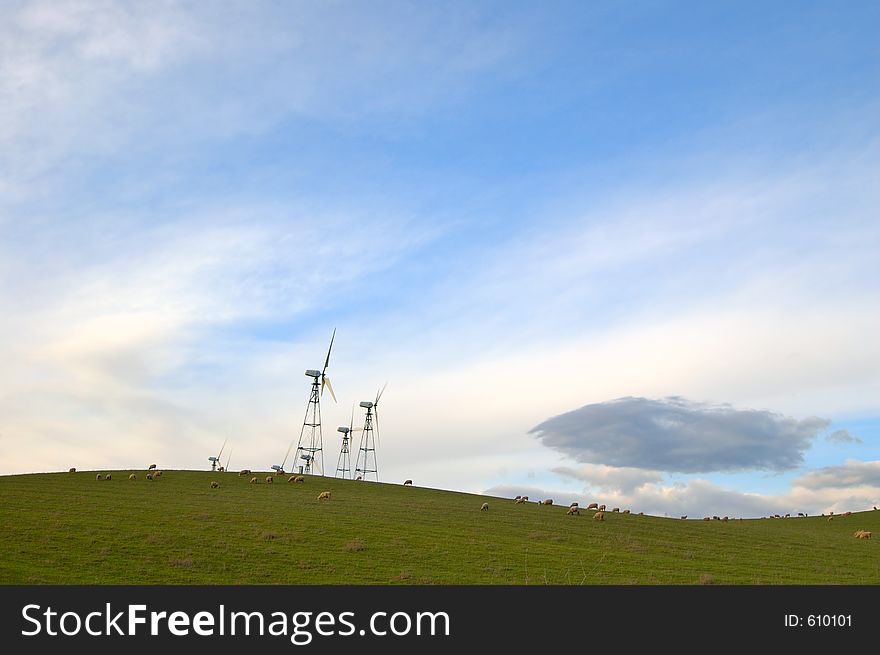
[[61, 528]]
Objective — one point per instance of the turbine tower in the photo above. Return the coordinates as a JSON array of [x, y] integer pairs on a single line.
[[216, 458], [310, 449], [343, 462], [366, 459]]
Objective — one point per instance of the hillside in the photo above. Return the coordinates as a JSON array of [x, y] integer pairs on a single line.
[[69, 528]]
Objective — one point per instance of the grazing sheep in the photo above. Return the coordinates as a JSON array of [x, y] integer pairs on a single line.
[[684, 517], [601, 508], [269, 479], [706, 518], [549, 501], [626, 511], [788, 516], [215, 485], [254, 480], [132, 477], [279, 472], [484, 507], [108, 478], [360, 477], [244, 472], [716, 518], [847, 513], [724, 519], [801, 514], [573, 510], [74, 471], [641, 513], [407, 482], [615, 509], [593, 506], [149, 477], [299, 478], [292, 478], [573, 505], [157, 474], [830, 518], [831, 513], [152, 466], [599, 516], [325, 495], [862, 534], [519, 500], [99, 477], [525, 498]]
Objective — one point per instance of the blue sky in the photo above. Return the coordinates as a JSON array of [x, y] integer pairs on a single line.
[[510, 211]]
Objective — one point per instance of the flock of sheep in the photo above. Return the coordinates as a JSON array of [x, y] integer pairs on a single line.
[[573, 509]]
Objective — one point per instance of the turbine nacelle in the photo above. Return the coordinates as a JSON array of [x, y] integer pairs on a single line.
[[213, 458], [312, 373], [366, 404], [344, 429]]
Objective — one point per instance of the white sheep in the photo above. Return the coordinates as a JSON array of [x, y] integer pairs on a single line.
[[599, 516], [215, 485], [99, 477], [132, 477], [324, 495], [254, 480], [549, 501], [484, 507], [519, 500], [149, 477], [269, 479], [108, 478], [573, 510], [593, 506]]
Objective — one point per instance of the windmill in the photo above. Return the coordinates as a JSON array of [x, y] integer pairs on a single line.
[[343, 463], [310, 447], [228, 457], [367, 450], [216, 458]]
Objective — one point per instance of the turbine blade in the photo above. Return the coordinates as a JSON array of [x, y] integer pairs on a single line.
[[228, 457], [327, 361], [379, 395], [221, 448], [326, 380], [351, 422]]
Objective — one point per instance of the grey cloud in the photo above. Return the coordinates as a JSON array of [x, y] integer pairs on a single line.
[[851, 474], [842, 436], [677, 435]]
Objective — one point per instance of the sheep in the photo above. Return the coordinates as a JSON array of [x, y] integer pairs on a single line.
[[519, 500], [724, 519], [291, 478], [279, 472], [215, 485], [626, 511], [615, 509], [684, 517], [244, 472], [862, 534], [299, 478], [573, 505], [706, 518], [157, 474], [73, 470], [99, 477], [549, 501], [254, 480], [325, 495], [593, 506], [830, 518], [149, 476], [716, 518], [573, 510], [152, 466], [484, 507], [132, 477], [875, 508], [641, 513], [108, 478], [525, 498], [847, 513], [599, 516], [360, 477], [800, 514], [269, 479], [407, 482], [788, 516], [601, 508]]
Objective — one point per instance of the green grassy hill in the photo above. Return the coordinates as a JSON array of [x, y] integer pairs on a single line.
[[69, 528]]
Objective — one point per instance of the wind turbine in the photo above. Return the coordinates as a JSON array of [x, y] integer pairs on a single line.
[[343, 463], [367, 450], [310, 447], [216, 458]]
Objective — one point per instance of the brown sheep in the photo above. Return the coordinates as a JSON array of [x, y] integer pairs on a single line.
[[601, 508], [599, 516], [279, 472], [215, 485], [152, 466], [132, 477], [862, 534], [484, 507], [324, 495], [615, 509], [299, 478], [549, 501], [99, 477], [72, 471], [269, 479], [573, 510], [847, 513], [157, 474], [407, 482], [593, 506], [244, 472], [254, 480], [706, 518], [292, 478], [626, 511]]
